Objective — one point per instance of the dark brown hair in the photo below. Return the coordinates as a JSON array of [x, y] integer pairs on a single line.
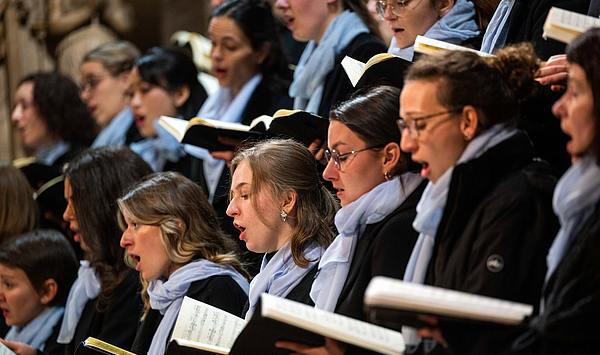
[[283, 165], [98, 177], [585, 51], [359, 7], [495, 86], [18, 211], [372, 114]]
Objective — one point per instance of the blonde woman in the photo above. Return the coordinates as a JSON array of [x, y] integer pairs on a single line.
[[173, 239]]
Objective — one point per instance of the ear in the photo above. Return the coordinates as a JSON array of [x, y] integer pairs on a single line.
[[181, 95], [263, 53], [469, 125], [48, 291], [289, 202], [391, 154], [445, 7]]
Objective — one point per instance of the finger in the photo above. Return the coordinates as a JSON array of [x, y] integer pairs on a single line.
[[314, 146], [559, 58], [558, 88], [427, 319], [559, 78], [295, 347], [232, 142], [540, 73]]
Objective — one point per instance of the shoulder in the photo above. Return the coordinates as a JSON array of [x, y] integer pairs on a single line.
[[221, 292], [363, 47]]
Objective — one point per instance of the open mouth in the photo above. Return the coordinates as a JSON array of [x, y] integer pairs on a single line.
[[139, 120], [424, 170], [220, 73], [241, 229]]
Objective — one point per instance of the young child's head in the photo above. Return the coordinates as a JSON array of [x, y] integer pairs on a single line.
[[37, 270]]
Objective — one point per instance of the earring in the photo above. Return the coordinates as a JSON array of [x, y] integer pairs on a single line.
[[284, 215], [386, 175], [467, 136]]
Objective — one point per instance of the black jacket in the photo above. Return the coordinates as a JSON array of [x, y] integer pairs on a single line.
[[337, 86], [218, 291], [382, 250], [569, 324], [495, 233]]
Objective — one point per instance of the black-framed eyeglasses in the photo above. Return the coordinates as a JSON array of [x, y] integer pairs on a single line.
[[400, 8], [414, 129], [338, 159]]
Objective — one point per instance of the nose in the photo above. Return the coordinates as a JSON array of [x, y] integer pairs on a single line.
[[388, 15], [136, 100], [216, 54], [281, 4], [331, 172], [17, 113], [407, 143], [558, 109], [232, 209], [85, 94], [126, 240], [69, 214]]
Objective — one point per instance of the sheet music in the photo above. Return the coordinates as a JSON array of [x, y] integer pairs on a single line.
[[353, 69], [206, 324], [5, 351], [572, 20], [332, 325]]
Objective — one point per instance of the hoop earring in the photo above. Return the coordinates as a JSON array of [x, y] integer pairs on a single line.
[[387, 176], [284, 215]]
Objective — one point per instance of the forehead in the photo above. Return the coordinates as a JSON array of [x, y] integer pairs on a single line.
[[11, 272], [340, 135], [92, 67], [242, 175], [25, 90], [226, 28], [419, 96], [577, 76]]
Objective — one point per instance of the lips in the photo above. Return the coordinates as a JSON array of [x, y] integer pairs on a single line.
[[92, 110], [220, 73], [289, 20], [241, 229], [4, 312], [139, 120], [424, 170]]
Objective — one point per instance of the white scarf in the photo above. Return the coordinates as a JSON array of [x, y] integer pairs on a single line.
[[495, 34], [167, 296], [157, 151], [317, 61], [86, 287], [575, 198], [456, 27], [38, 330], [115, 133], [351, 221], [223, 107], [280, 275], [48, 154], [430, 210]]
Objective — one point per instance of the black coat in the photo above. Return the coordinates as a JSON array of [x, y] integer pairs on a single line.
[[569, 324], [337, 86], [218, 291], [495, 233], [382, 250]]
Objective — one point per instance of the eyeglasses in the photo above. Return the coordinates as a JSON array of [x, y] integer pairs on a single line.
[[92, 82], [338, 159], [414, 129], [399, 8]]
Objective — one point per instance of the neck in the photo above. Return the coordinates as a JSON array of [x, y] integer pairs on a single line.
[[335, 10]]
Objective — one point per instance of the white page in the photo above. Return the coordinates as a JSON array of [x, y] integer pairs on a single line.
[[572, 20], [175, 126], [203, 323], [332, 325], [424, 44], [353, 69], [5, 350]]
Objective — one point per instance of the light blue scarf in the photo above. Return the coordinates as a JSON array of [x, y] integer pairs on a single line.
[[495, 34], [38, 330], [157, 151], [48, 154], [317, 61], [280, 275], [116, 131], [456, 27], [575, 198], [221, 106], [351, 221], [86, 287], [430, 210], [167, 296]]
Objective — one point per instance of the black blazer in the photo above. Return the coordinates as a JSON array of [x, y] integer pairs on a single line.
[[218, 291], [382, 250], [337, 86], [499, 208], [117, 325], [569, 324]]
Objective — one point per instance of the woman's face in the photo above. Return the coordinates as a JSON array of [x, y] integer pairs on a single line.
[[33, 129], [104, 95], [264, 234], [234, 61], [19, 300], [359, 173], [441, 141], [417, 17], [149, 102], [70, 217], [144, 245], [307, 19], [576, 112]]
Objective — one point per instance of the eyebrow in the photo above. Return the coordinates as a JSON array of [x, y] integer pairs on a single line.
[[337, 144], [241, 184]]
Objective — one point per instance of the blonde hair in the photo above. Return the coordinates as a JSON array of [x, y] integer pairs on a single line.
[[284, 165], [189, 227], [18, 211]]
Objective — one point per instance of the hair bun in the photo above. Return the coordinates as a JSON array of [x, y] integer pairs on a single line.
[[518, 64]]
